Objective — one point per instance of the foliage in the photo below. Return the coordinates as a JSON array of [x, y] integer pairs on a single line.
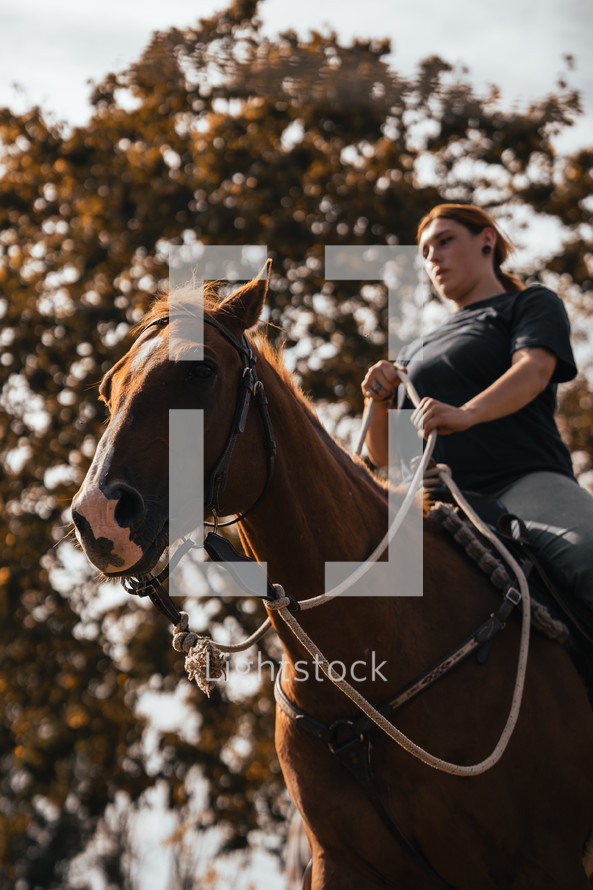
[[220, 135]]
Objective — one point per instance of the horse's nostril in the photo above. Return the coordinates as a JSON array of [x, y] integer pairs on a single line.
[[129, 507]]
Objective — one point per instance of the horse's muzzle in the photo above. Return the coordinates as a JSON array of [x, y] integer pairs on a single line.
[[116, 531]]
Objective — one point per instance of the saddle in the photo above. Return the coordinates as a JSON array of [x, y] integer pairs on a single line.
[[555, 612]]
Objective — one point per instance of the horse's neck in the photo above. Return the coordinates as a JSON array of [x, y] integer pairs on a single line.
[[322, 506]]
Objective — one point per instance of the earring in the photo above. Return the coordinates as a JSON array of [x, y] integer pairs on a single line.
[[486, 249]]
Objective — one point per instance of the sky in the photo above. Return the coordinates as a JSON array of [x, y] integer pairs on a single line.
[[51, 50]]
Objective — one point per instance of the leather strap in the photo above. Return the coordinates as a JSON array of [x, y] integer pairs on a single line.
[[249, 387], [349, 742]]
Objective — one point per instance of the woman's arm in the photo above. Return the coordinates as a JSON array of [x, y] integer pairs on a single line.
[[530, 372], [380, 383], [376, 440]]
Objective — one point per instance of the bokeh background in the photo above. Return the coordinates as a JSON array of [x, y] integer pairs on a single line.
[[251, 123]]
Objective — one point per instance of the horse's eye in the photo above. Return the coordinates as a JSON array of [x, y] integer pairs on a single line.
[[200, 371]]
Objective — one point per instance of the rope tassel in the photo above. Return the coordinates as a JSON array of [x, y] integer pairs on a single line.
[[204, 662]]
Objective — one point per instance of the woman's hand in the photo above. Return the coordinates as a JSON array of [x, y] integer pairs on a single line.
[[530, 372], [381, 381], [445, 419]]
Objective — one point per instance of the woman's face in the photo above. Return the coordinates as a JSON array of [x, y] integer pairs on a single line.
[[454, 260]]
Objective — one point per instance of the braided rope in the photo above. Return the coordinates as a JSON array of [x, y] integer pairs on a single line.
[[386, 725], [463, 533]]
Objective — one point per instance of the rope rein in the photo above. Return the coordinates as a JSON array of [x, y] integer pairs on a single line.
[[205, 661]]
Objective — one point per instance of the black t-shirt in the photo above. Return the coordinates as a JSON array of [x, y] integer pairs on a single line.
[[465, 355]]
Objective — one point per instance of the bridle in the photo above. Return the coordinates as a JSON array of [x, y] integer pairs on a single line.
[[250, 387]]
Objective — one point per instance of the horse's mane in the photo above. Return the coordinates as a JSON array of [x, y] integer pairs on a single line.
[[187, 298], [274, 356]]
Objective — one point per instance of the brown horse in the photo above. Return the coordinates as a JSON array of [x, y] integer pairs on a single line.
[[522, 824]]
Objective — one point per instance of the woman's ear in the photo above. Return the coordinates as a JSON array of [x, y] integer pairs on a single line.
[[489, 238]]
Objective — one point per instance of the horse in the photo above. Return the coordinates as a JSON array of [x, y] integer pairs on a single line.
[[524, 823]]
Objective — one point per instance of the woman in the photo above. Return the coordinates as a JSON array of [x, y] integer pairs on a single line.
[[487, 378]]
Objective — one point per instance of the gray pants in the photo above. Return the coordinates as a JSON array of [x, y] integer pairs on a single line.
[[559, 516]]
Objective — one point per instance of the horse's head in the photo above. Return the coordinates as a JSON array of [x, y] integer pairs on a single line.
[[121, 512]]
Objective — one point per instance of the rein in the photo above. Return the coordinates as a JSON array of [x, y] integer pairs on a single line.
[[200, 649], [378, 718], [205, 663]]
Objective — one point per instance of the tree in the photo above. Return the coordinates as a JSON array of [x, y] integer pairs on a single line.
[[221, 135]]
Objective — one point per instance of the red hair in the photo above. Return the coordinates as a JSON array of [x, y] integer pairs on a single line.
[[475, 219]]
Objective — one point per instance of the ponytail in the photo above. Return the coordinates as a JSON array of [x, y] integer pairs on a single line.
[[509, 281]]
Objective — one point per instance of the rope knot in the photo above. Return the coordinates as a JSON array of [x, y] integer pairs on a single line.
[[204, 661], [205, 664], [183, 638], [282, 601]]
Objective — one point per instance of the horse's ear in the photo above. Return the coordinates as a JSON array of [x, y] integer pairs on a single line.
[[242, 309]]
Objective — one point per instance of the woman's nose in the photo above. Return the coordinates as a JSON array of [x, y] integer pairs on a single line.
[[431, 256]]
